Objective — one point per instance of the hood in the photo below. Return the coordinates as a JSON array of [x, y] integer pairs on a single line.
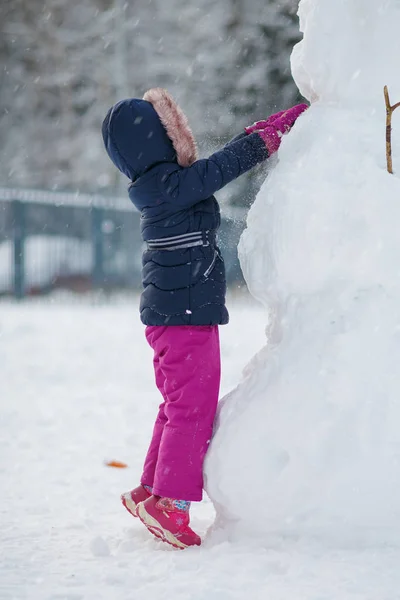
[[138, 134]]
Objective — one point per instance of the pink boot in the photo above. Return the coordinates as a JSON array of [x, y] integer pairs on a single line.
[[132, 499], [171, 526]]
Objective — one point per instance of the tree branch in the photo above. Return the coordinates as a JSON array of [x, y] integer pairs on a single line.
[[389, 111]]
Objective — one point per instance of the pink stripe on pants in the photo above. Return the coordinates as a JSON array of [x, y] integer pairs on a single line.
[[187, 369]]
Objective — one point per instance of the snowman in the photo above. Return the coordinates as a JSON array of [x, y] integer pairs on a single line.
[[309, 441]]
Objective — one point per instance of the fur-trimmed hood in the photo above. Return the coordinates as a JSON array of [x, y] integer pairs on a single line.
[[176, 125], [138, 133]]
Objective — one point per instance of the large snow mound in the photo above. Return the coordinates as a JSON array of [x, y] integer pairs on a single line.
[[309, 442]]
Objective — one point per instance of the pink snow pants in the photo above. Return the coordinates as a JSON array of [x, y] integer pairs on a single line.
[[187, 369]]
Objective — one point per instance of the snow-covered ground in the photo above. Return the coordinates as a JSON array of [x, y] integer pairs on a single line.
[[76, 389]]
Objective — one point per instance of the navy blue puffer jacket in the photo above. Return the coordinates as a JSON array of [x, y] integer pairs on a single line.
[[183, 271]]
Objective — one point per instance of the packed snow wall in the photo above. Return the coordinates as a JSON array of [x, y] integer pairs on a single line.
[[309, 441]]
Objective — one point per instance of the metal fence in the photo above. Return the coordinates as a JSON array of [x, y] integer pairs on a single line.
[[79, 242]]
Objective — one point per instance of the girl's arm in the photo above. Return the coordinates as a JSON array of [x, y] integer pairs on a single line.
[[185, 187], [238, 137]]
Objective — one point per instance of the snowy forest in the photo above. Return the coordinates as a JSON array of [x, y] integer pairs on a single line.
[[63, 64]]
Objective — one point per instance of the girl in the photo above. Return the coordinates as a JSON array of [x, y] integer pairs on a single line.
[[183, 301]]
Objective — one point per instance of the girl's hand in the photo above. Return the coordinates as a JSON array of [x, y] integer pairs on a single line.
[[263, 124], [295, 111], [272, 133]]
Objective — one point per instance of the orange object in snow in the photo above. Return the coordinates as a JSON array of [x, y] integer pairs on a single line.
[[117, 464]]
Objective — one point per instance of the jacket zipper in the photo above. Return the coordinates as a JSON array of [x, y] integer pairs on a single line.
[[212, 265]]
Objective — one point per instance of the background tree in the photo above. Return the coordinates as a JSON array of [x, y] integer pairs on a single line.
[[64, 63]]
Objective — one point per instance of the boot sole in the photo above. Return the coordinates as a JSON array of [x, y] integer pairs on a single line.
[[129, 504], [132, 507], [157, 529]]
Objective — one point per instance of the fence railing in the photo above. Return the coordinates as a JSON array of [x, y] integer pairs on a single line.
[[80, 242]]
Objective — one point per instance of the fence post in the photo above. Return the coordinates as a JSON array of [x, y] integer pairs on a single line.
[[18, 209], [98, 251]]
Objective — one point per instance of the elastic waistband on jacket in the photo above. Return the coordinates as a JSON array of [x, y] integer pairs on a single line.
[[180, 242]]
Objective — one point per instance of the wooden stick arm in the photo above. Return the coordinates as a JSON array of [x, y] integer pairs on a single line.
[[389, 112], [389, 108], [386, 92]]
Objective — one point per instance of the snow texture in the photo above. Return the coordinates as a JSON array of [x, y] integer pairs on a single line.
[[310, 440], [76, 388]]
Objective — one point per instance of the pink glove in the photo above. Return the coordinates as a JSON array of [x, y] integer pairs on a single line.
[[272, 133], [286, 121], [263, 124]]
